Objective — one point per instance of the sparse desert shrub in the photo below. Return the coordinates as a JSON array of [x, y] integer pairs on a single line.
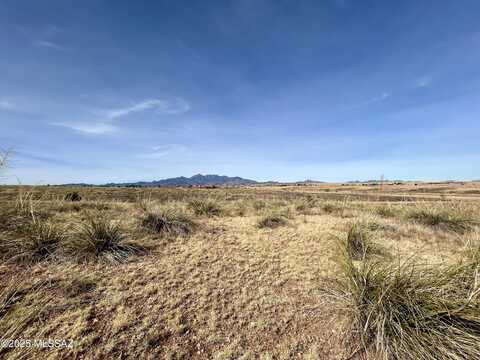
[[168, 220], [452, 218], [411, 312], [99, 238], [72, 196], [33, 242], [271, 221], [207, 207]]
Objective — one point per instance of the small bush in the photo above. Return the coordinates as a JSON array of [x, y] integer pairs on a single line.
[[205, 207], [168, 221], [411, 312], [99, 238], [271, 221], [72, 196]]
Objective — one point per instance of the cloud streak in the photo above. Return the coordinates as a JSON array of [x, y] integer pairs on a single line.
[[48, 44], [164, 150], [104, 126], [6, 105], [384, 96], [90, 128], [161, 106]]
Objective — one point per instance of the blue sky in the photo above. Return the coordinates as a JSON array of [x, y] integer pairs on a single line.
[[99, 91]]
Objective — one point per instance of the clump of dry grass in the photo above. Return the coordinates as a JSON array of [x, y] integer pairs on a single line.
[[36, 241], [207, 207], [99, 238], [144, 203], [240, 209], [450, 217], [386, 211], [73, 196], [331, 207], [411, 312], [357, 242], [272, 221], [305, 206], [168, 220], [259, 205]]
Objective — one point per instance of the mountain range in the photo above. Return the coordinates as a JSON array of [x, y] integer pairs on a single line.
[[195, 180]]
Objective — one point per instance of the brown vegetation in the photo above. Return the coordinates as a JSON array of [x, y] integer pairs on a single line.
[[242, 272]]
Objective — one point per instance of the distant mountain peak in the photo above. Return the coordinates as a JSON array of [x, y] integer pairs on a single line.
[[195, 180]]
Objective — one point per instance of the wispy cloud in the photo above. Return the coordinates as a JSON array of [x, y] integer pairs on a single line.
[[6, 104], [103, 124], [48, 44], [162, 106], [90, 128], [164, 150], [384, 96], [423, 82]]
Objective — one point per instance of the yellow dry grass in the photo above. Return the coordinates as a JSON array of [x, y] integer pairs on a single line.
[[227, 290]]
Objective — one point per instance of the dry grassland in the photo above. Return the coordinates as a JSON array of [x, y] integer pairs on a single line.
[[296, 272]]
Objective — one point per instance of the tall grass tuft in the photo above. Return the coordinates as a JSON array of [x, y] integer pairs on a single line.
[[271, 220], [331, 207], [40, 242], [100, 238], [305, 206], [451, 217], [73, 196], [386, 211], [168, 220], [411, 312], [206, 207], [357, 242]]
